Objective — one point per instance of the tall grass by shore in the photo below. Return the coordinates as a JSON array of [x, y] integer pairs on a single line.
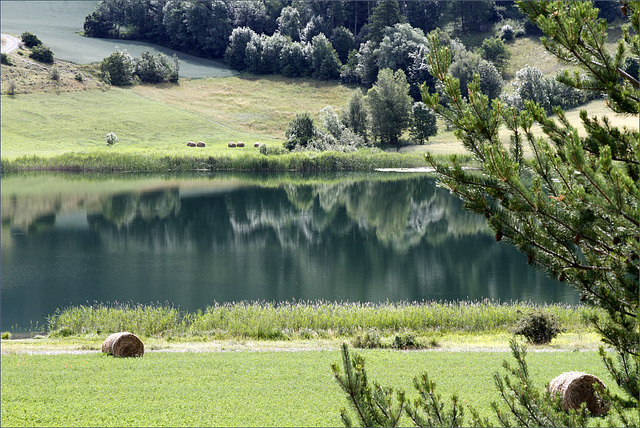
[[365, 160], [265, 320]]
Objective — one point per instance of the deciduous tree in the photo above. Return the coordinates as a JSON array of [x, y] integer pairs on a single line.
[[389, 106]]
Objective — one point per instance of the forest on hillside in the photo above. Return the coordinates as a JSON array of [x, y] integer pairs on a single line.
[[350, 40], [377, 45]]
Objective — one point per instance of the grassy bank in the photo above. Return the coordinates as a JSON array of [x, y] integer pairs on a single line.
[[241, 388], [306, 320], [111, 160]]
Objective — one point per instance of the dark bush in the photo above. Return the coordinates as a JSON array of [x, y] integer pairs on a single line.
[[406, 341], [6, 60], [42, 53], [507, 33], [538, 327], [300, 131], [371, 339], [30, 40], [117, 69]]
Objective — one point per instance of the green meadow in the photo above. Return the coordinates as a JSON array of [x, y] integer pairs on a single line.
[[267, 388], [37, 124]]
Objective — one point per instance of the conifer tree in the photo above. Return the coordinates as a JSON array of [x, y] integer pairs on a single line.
[[572, 206]]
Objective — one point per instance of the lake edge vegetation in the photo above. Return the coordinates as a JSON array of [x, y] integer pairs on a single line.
[[309, 320]]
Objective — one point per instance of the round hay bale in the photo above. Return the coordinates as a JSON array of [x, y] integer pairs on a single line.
[[123, 344], [256, 144], [240, 144], [191, 144], [577, 388], [231, 144], [200, 144]]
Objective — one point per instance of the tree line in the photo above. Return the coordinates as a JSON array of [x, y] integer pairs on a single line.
[[349, 40]]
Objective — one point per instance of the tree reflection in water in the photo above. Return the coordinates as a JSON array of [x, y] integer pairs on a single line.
[[356, 239]]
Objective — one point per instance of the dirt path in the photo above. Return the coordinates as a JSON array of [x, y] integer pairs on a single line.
[[10, 43]]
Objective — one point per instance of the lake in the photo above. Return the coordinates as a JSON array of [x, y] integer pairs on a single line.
[[194, 239]]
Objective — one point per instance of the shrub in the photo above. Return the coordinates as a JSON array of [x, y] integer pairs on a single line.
[[538, 327], [111, 138], [79, 77], [495, 51], [42, 53], [30, 40], [5, 335], [371, 339], [63, 332], [548, 92], [150, 69], [117, 69], [12, 88], [300, 131], [6, 60], [55, 74], [507, 33], [406, 341]]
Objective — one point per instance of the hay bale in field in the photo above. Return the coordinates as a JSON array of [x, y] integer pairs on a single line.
[[240, 144], [577, 388], [231, 144], [256, 144], [191, 144], [200, 144], [123, 344]]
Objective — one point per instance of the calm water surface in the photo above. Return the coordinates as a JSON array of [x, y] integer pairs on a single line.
[[194, 240]]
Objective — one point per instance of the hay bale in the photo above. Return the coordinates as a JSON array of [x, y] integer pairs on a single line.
[[191, 144], [123, 344], [577, 388], [256, 145], [200, 144], [240, 144], [231, 144]]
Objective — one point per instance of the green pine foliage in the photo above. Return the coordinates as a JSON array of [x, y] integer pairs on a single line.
[[573, 206]]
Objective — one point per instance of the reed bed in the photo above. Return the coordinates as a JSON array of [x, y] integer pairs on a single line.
[[366, 160], [293, 320]]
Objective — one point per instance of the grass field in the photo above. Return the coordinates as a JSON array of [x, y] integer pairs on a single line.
[[79, 121], [240, 388], [260, 104], [161, 119]]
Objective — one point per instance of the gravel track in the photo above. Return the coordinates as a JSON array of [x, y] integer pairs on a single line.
[[11, 43]]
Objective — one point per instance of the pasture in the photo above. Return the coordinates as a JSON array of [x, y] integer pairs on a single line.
[[267, 388]]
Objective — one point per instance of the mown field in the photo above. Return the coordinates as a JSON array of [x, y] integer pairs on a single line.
[[269, 388]]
